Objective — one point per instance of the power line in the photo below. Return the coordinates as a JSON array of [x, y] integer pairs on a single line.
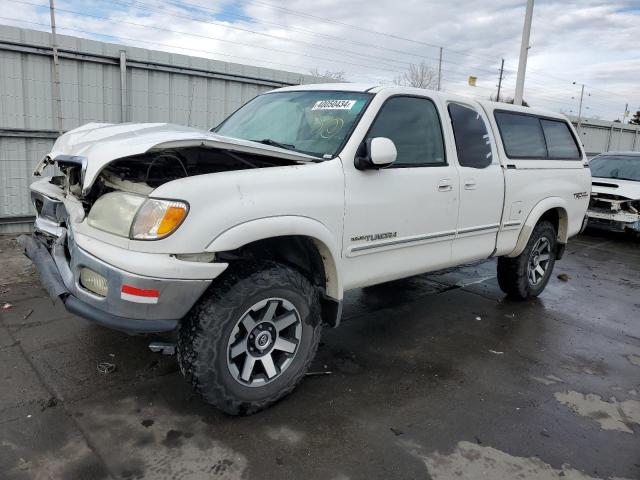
[[301, 30], [151, 42], [392, 68], [87, 15], [447, 71], [535, 96], [352, 53], [145, 7], [367, 30], [538, 73], [378, 66]]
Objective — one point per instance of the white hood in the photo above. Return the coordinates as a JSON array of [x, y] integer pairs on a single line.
[[102, 143], [623, 188]]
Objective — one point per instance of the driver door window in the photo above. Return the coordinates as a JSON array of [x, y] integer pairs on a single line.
[[413, 125]]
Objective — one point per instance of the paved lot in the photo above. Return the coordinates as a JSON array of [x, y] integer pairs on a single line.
[[432, 377]]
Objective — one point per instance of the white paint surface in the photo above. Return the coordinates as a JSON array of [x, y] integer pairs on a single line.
[[612, 415], [469, 461]]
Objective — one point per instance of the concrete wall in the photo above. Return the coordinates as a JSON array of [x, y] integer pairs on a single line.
[[103, 82]]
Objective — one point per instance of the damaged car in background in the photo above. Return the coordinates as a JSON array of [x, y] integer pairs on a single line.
[[615, 193]]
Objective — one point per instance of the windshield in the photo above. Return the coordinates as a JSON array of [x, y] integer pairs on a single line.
[[312, 122], [621, 167]]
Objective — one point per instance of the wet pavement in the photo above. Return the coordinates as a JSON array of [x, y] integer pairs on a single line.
[[437, 376]]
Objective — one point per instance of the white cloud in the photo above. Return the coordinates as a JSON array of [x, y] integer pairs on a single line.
[[584, 41]]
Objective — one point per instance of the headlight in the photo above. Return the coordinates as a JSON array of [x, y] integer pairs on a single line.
[[157, 219], [114, 212], [135, 216]]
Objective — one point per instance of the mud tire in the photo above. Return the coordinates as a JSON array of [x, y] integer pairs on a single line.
[[512, 272], [204, 334]]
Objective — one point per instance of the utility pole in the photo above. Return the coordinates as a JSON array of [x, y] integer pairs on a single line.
[[624, 115], [524, 50], [500, 80], [439, 68], [56, 67], [580, 108]]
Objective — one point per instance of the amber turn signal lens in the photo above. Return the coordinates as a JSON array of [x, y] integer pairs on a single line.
[[158, 218], [172, 218]]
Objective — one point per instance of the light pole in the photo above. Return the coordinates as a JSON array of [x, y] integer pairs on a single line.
[[580, 106], [500, 80], [439, 69], [524, 50], [57, 98]]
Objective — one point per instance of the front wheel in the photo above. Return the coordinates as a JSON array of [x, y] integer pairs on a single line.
[[527, 274], [251, 338]]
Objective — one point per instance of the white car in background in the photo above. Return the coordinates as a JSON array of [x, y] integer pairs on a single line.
[[615, 193]]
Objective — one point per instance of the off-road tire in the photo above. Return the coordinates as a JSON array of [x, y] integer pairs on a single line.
[[512, 272], [204, 334]]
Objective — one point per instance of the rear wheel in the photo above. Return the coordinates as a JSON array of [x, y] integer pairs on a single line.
[[251, 338], [527, 275]]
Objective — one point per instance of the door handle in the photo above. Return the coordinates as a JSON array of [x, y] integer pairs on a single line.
[[470, 184], [445, 185]]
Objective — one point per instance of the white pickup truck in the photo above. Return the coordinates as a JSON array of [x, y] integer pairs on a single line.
[[245, 238]]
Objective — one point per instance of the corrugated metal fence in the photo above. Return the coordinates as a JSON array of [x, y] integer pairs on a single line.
[[601, 136], [102, 82]]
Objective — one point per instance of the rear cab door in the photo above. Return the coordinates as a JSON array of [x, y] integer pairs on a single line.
[[481, 180]]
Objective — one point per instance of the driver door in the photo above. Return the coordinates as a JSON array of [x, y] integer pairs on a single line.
[[401, 220]]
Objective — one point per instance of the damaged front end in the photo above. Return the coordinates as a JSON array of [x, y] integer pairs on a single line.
[[614, 212], [99, 202]]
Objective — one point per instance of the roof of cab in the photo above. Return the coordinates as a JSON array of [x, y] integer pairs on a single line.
[[488, 105], [343, 87]]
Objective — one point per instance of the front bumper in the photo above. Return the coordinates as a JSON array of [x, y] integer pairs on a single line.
[[59, 262], [616, 222]]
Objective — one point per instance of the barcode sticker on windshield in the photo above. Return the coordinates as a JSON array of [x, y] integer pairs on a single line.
[[334, 105]]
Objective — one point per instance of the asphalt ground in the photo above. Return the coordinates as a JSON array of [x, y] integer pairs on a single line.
[[432, 377]]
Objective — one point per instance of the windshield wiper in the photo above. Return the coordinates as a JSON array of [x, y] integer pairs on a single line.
[[273, 143]]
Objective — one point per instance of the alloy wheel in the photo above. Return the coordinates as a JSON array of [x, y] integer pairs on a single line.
[[264, 342], [539, 259]]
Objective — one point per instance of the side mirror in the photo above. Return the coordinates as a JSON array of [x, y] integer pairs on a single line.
[[380, 152]]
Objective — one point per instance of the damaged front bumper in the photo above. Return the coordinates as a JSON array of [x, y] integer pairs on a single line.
[[616, 222], [59, 262]]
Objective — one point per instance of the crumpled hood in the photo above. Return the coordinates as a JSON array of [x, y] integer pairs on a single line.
[[623, 188], [102, 143]]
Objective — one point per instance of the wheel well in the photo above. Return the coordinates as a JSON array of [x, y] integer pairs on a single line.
[[552, 217], [297, 251], [303, 254], [558, 218]]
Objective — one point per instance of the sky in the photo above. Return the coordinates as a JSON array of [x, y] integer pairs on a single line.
[[591, 42]]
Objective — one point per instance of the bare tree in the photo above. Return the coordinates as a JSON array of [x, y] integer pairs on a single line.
[[507, 100], [420, 76], [335, 76]]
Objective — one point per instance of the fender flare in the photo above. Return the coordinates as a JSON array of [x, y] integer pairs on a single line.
[[549, 203], [270, 227]]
